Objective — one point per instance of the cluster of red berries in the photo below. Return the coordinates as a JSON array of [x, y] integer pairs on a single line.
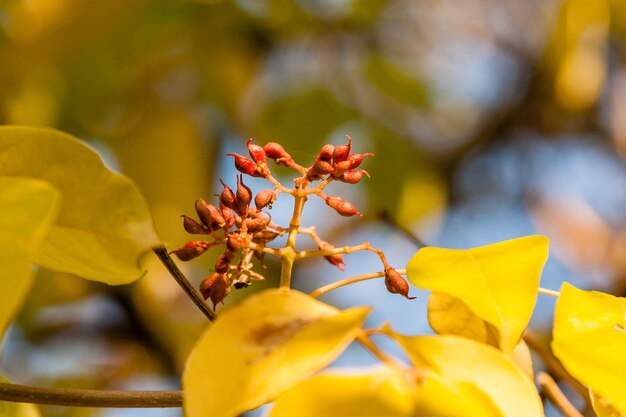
[[240, 224], [244, 229]]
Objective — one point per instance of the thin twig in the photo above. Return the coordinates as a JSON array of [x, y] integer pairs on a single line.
[[554, 365], [164, 257], [341, 283], [551, 293], [556, 396], [89, 398], [344, 250]]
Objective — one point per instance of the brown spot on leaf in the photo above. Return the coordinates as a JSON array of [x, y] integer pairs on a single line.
[[272, 335]]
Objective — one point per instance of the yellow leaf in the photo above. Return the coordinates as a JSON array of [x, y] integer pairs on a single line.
[[498, 282], [380, 392], [522, 357], [589, 338], [483, 376], [261, 347], [603, 407], [450, 315], [26, 209], [104, 223], [385, 392], [439, 397]]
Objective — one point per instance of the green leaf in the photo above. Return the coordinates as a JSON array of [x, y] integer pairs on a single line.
[[261, 347], [498, 282], [589, 338], [381, 392], [27, 207], [104, 223], [482, 375]]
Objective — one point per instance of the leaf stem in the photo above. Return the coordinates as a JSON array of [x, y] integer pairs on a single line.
[[345, 250], [347, 281], [161, 252], [556, 396], [551, 293], [278, 185], [89, 398]]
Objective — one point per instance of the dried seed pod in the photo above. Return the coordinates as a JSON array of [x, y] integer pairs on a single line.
[[191, 250], [257, 224], [341, 168], [356, 158], [244, 196], [235, 241], [224, 261], [245, 165], [318, 170], [265, 236], [343, 207], [229, 217], [276, 152], [193, 227], [342, 152], [210, 215], [215, 287], [254, 212], [326, 154], [396, 284], [222, 266], [204, 214], [264, 198], [336, 259], [227, 197], [256, 152], [353, 176]]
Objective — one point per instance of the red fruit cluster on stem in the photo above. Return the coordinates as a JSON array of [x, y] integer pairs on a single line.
[[244, 231]]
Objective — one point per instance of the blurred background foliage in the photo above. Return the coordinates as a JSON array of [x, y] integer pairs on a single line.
[[489, 120]]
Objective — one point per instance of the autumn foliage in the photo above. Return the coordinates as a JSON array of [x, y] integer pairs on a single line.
[[276, 345]]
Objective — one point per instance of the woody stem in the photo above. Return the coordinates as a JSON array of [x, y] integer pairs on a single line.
[[161, 252], [288, 253]]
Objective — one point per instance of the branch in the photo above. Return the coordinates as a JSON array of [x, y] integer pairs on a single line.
[[89, 398], [164, 257], [556, 396]]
